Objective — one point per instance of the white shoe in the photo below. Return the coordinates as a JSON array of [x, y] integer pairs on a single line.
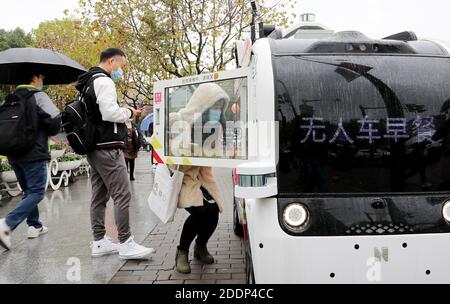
[[35, 233], [104, 247], [5, 235], [130, 250]]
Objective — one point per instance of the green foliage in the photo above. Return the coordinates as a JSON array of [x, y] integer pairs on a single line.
[[162, 38], [73, 38], [4, 91], [56, 147], [69, 157], [176, 38], [13, 39], [4, 167]]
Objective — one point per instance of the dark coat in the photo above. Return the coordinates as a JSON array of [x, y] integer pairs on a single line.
[[137, 141], [46, 121]]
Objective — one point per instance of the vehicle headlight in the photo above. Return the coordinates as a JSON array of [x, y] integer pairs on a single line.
[[297, 216], [446, 211]]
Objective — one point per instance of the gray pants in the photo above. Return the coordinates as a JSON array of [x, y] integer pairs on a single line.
[[109, 178]]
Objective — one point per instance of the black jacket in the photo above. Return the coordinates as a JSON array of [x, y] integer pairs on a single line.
[[109, 135], [46, 120], [138, 140]]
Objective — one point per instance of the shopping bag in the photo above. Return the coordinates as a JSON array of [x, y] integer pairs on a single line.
[[163, 200]]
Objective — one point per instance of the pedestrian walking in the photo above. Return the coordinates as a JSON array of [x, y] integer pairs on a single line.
[[30, 166], [109, 176], [135, 141]]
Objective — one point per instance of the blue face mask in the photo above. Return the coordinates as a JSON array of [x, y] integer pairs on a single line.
[[116, 75], [40, 88], [214, 116]]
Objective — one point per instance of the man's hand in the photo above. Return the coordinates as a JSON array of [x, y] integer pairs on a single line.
[[135, 112]]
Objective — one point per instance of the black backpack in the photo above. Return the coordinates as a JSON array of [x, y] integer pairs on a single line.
[[78, 124], [18, 135]]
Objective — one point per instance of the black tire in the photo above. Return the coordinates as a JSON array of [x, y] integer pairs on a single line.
[[249, 270], [237, 227]]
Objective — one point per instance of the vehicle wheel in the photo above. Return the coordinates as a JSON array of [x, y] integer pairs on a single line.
[[237, 227], [249, 272]]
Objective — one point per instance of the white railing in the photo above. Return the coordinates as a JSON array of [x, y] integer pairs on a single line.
[[58, 174]]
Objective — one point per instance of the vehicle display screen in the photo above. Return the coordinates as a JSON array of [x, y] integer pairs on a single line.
[[208, 120], [363, 124]]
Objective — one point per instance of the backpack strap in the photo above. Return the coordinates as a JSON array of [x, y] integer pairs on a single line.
[[30, 93], [18, 95], [90, 82], [83, 92]]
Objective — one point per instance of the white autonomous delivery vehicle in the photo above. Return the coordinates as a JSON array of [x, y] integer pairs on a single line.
[[341, 150]]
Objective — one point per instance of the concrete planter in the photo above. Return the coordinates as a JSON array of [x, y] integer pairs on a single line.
[[57, 153], [69, 165], [8, 177]]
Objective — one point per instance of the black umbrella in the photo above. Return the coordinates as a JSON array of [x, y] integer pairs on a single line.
[[17, 63]]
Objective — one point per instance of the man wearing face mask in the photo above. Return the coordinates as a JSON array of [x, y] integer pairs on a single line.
[[109, 176], [31, 166]]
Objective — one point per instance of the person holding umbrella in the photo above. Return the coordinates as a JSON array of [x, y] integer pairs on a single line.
[[26, 143], [30, 166]]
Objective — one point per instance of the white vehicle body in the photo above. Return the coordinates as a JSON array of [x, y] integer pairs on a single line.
[[277, 256]]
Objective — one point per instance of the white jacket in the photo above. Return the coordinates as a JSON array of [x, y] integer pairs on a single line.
[[105, 90]]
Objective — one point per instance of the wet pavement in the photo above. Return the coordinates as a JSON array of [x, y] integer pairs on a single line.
[[224, 245], [63, 256]]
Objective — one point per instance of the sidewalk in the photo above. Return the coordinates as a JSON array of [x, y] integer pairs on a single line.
[[62, 254], [224, 245]]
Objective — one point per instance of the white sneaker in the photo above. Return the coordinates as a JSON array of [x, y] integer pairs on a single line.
[[35, 233], [130, 250], [5, 235], [104, 247]]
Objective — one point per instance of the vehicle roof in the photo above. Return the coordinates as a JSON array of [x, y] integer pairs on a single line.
[[351, 42]]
